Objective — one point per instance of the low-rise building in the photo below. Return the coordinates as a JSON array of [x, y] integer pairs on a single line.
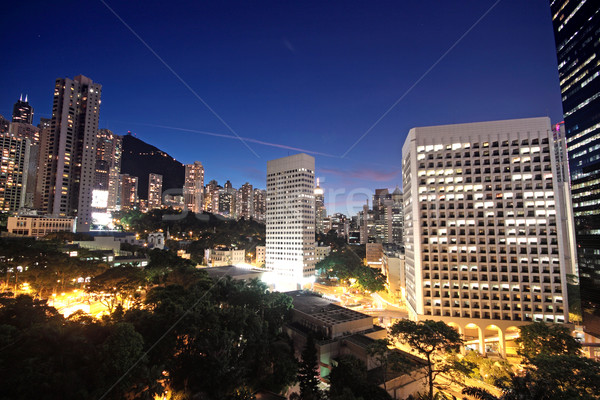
[[39, 225], [340, 331], [222, 257], [260, 255], [392, 266], [321, 252]]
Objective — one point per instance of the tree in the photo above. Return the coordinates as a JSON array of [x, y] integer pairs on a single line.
[[348, 381], [430, 339], [308, 372], [117, 286], [379, 351], [539, 338]]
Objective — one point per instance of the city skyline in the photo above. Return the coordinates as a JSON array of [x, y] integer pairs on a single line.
[[306, 87]]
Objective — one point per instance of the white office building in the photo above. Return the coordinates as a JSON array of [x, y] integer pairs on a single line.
[[290, 240], [488, 235]]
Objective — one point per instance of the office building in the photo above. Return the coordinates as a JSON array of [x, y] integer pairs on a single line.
[[320, 211], [70, 151], [155, 182], [488, 244], [290, 238], [14, 166], [22, 111], [128, 196], [193, 188], [577, 33]]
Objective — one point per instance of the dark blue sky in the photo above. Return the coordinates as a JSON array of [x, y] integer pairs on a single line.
[[308, 75]]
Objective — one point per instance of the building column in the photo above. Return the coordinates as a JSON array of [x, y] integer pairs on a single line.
[[481, 341], [501, 343]]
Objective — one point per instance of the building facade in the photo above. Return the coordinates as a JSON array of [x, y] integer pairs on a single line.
[[128, 197], [109, 149], [14, 167], [155, 182], [290, 237], [193, 188], [487, 240], [576, 33], [39, 226], [70, 150], [22, 111], [320, 210]]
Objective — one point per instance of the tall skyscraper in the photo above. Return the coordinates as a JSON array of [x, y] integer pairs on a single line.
[[245, 201], [154, 191], [290, 239], [4, 125], [193, 189], [109, 149], [128, 196], [488, 243], [14, 165], [70, 150], [577, 33], [22, 111], [260, 204], [320, 211], [211, 197]]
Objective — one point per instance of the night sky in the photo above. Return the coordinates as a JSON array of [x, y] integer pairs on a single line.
[[287, 75]]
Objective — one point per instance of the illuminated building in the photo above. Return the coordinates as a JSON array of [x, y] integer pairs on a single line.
[[4, 125], [155, 182], [109, 149], [222, 257], [260, 204], [245, 202], [39, 226], [488, 243], [576, 33], [69, 151], [290, 239], [129, 191], [22, 111], [320, 211], [193, 187], [14, 165], [211, 197]]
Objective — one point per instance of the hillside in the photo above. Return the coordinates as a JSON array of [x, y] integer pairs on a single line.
[[141, 159]]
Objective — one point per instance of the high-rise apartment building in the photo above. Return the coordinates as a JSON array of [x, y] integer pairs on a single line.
[[290, 239], [14, 165], [193, 188], [128, 196], [22, 111], [155, 182], [487, 238], [260, 204], [70, 150], [320, 211], [577, 33], [211, 197], [245, 204], [109, 149]]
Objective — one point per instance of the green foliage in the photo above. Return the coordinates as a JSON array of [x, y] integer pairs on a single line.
[[118, 286], [540, 338], [432, 340], [346, 264], [475, 366]]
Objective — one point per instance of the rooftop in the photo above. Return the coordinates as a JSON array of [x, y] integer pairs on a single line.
[[323, 309], [233, 271]]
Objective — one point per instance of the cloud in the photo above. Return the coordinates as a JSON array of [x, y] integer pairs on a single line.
[[364, 174]]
